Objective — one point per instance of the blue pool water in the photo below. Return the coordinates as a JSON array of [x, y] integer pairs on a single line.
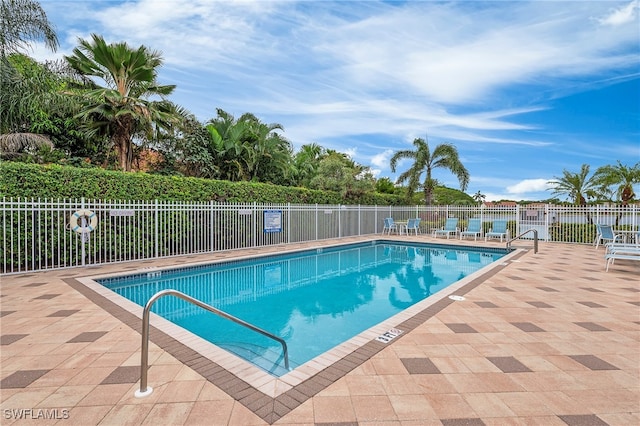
[[314, 299]]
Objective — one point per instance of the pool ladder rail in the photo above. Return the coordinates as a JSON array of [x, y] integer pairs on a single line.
[[535, 239], [144, 362]]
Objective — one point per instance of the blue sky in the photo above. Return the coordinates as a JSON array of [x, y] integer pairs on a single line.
[[523, 89]]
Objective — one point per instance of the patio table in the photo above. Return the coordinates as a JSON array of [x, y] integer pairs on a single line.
[[402, 226], [626, 234]]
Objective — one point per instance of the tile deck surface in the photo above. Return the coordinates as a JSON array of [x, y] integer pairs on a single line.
[[545, 339]]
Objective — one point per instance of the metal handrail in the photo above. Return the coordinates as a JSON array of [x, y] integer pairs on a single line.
[[535, 239], [144, 362]]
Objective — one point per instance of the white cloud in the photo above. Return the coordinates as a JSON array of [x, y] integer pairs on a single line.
[[375, 172], [382, 159], [350, 151], [528, 185], [622, 15]]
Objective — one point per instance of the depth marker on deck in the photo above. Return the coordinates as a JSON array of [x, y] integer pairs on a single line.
[[389, 335]]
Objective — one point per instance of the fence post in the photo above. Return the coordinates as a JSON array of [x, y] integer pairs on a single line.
[[288, 222], [82, 247], [254, 221], [546, 221], [211, 227], [156, 229], [375, 219], [339, 221]]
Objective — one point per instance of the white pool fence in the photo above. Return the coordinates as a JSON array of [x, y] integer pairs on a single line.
[[48, 234]]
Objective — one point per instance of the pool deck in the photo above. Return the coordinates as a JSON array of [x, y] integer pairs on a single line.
[[543, 339]]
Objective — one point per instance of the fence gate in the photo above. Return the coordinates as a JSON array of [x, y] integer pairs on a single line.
[[534, 217]]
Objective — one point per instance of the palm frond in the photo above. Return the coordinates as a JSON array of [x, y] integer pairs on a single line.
[[20, 142]]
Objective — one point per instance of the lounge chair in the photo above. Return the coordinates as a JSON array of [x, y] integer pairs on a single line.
[[498, 230], [622, 252], [389, 225], [605, 235], [473, 228], [413, 225], [450, 227]]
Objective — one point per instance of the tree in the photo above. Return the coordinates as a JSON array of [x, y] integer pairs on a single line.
[[577, 186], [13, 144], [337, 172], [306, 162], [384, 185], [225, 144], [269, 152], [479, 197], [424, 161], [246, 149], [35, 103], [122, 109], [620, 178], [21, 22]]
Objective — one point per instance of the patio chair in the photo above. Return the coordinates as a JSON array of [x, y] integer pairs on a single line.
[[450, 227], [413, 225], [473, 228], [621, 251], [498, 230], [605, 235], [389, 225]]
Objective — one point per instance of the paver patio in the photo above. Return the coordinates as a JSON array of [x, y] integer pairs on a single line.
[[549, 339]]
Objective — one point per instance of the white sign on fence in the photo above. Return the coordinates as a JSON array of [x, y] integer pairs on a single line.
[[119, 213], [273, 221]]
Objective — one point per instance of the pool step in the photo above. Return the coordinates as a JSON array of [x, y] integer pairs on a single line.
[[263, 357]]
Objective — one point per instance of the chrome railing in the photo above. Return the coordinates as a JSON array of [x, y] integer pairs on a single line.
[[144, 352], [535, 239]]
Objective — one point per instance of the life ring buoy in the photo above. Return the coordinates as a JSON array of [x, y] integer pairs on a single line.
[[92, 218]]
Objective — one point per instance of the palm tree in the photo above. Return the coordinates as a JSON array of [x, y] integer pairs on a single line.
[[306, 163], [122, 109], [424, 161], [621, 177], [575, 185], [226, 145], [269, 152], [246, 149], [479, 197], [23, 21], [12, 144]]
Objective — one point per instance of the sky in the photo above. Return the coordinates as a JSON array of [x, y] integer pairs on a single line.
[[523, 90]]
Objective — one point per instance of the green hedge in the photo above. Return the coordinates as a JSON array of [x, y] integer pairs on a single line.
[[54, 181]]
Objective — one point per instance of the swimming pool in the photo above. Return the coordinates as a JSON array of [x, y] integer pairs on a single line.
[[313, 299]]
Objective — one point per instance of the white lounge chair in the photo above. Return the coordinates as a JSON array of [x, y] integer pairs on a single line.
[[621, 255], [450, 227], [624, 251], [498, 230], [473, 228]]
